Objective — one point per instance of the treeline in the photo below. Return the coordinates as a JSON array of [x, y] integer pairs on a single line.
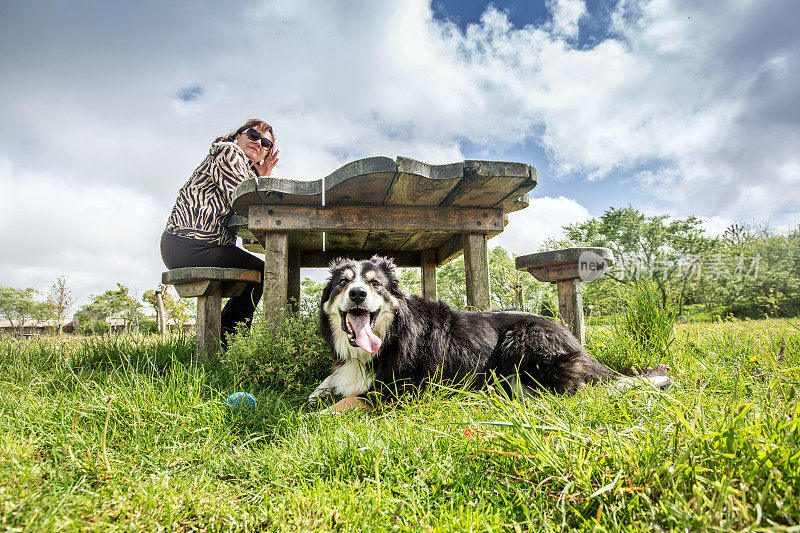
[[29, 309], [124, 303], [749, 271], [25, 307]]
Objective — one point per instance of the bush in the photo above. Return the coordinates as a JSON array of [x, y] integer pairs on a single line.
[[643, 330], [93, 327], [289, 357], [647, 320], [148, 326], [549, 306]]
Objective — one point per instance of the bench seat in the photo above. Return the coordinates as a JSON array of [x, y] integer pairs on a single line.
[[567, 268], [209, 285]]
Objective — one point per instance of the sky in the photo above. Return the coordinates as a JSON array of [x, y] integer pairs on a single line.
[[676, 107]]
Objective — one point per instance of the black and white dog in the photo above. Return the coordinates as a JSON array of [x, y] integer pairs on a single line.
[[386, 341]]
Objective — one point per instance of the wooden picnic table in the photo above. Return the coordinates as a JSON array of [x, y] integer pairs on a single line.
[[422, 215]]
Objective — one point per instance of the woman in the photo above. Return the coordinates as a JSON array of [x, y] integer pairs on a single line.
[[197, 235]]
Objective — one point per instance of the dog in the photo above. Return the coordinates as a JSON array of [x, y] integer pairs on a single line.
[[387, 342]]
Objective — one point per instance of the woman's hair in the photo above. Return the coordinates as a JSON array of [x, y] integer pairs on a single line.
[[260, 125]]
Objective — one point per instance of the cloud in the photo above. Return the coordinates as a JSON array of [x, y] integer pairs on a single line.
[[526, 233], [664, 88], [566, 15], [190, 93], [95, 234]]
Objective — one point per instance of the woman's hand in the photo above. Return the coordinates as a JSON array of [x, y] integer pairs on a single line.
[[267, 164]]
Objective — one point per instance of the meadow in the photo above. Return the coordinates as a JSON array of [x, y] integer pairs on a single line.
[[127, 433]]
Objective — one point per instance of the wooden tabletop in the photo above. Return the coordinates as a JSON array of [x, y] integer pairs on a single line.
[[435, 195]]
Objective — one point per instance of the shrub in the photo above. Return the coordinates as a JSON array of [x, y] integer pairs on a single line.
[[93, 327], [647, 320], [643, 330], [290, 356], [549, 306], [148, 326]]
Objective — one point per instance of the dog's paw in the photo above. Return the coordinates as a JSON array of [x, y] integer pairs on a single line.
[[317, 396]]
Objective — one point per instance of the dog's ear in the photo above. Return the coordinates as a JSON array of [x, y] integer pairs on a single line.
[[333, 266], [326, 294], [337, 263], [384, 263]]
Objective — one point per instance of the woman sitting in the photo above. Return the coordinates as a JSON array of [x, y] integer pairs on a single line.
[[197, 234]]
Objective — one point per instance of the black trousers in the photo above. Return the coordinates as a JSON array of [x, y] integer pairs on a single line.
[[179, 252]]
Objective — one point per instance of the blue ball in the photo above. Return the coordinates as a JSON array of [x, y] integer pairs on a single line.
[[238, 400]]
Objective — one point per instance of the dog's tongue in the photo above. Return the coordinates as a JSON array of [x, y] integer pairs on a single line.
[[364, 336]]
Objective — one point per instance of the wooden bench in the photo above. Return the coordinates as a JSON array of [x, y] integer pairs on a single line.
[[209, 285], [567, 268]]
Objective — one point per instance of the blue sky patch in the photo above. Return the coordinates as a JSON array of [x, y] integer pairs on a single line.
[[190, 93], [595, 25]]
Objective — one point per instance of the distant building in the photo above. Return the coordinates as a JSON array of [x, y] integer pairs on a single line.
[[35, 328], [188, 325], [116, 324]]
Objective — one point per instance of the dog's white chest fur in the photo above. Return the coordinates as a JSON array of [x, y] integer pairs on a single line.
[[355, 375]]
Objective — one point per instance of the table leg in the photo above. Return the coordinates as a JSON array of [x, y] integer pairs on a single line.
[[476, 270], [429, 274], [276, 271], [570, 307], [294, 280]]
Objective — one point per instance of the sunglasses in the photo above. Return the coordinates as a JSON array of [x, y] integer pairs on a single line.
[[253, 135]]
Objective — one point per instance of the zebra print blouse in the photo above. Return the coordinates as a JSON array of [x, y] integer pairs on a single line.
[[204, 202]]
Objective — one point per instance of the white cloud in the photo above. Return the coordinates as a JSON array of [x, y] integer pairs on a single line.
[[95, 234], [543, 219], [716, 226], [566, 15]]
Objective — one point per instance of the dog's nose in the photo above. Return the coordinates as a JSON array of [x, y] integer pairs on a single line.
[[358, 294]]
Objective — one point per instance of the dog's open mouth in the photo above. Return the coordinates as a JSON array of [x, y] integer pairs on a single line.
[[358, 324]]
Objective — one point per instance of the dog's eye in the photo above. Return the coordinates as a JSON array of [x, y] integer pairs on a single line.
[[375, 283], [342, 282]]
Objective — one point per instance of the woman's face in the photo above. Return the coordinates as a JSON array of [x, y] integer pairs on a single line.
[[254, 151]]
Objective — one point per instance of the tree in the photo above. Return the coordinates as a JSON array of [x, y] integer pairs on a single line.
[[451, 284], [411, 280], [118, 302], [310, 293], [511, 288], [60, 300], [761, 274], [645, 247], [20, 308], [177, 308]]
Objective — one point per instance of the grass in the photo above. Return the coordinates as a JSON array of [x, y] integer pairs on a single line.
[[128, 434]]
